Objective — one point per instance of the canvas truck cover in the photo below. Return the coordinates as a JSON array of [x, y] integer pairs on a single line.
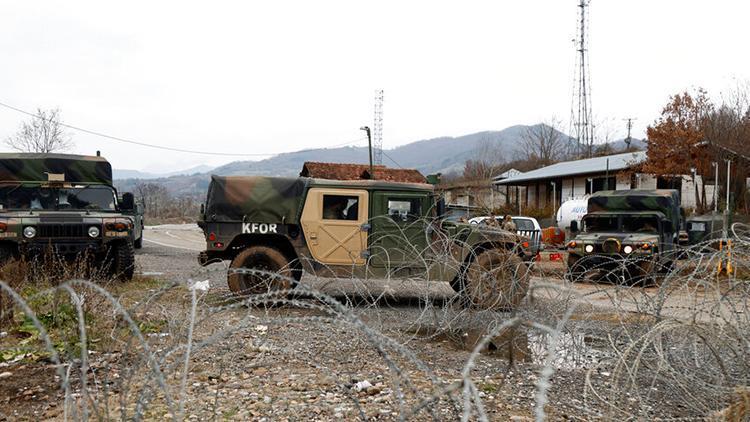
[[34, 167], [255, 199], [665, 201]]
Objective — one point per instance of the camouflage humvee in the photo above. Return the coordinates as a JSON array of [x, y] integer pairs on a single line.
[[360, 228], [64, 204], [629, 234]]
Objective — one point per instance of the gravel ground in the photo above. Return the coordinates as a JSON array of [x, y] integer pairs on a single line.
[[393, 349]]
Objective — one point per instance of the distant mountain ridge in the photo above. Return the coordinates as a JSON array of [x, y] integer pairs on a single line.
[[436, 155], [120, 174]]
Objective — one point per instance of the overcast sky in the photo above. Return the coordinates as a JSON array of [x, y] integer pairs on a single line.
[[269, 77]]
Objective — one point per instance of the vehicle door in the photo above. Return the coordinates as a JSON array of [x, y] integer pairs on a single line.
[[334, 225], [398, 224]]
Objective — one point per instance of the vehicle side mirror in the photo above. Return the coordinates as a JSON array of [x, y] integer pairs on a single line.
[[574, 227], [128, 202], [203, 209], [668, 226], [441, 207]]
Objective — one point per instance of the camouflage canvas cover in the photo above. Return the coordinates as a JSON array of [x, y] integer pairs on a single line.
[[665, 201], [33, 167], [255, 199]]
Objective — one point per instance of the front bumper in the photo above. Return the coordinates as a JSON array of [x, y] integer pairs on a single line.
[[597, 259], [69, 247]]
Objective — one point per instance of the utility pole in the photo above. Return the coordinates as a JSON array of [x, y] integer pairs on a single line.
[[369, 147], [716, 186], [729, 166], [377, 127], [725, 230], [554, 200], [629, 125]]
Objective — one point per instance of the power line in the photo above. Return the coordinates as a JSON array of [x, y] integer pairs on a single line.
[[394, 161], [161, 147]]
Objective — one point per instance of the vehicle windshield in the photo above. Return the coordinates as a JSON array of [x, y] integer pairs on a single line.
[[91, 197], [642, 224], [523, 224], [624, 223], [600, 223]]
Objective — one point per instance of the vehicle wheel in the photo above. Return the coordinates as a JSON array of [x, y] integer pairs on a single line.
[[138, 243], [122, 260], [269, 271], [576, 271], [497, 280]]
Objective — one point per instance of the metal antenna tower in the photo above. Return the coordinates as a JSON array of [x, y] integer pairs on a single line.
[[377, 126], [584, 129]]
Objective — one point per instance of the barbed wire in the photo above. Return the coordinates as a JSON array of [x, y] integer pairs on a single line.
[[593, 346]]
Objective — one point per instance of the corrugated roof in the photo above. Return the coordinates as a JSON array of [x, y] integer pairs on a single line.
[[577, 167], [337, 171]]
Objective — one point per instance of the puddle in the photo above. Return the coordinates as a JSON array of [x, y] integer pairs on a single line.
[[573, 351]]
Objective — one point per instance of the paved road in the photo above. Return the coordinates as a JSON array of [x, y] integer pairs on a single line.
[[187, 237]]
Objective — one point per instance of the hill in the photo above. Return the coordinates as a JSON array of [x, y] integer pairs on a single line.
[[443, 155]]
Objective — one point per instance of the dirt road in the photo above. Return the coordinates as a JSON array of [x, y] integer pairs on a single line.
[[171, 251]]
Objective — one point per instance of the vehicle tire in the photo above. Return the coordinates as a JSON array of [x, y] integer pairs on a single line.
[[646, 273], [122, 260], [496, 280], [138, 243], [576, 271], [273, 271]]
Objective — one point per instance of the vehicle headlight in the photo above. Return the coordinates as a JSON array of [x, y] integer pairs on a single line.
[[627, 249], [94, 231], [29, 232], [589, 248]]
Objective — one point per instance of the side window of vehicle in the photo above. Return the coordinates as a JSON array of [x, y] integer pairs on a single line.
[[340, 207], [404, 209]]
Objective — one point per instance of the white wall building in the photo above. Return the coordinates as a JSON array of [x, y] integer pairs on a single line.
[[552, 185]]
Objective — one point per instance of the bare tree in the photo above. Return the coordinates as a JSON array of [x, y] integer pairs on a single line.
[[43, 133], [487, 162], [543, 144], [153, 196]]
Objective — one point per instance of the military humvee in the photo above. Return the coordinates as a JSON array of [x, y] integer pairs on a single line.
[[631, 234], [359, 228], [65, 204]]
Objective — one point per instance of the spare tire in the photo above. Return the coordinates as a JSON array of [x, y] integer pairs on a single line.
[[258, 270]]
